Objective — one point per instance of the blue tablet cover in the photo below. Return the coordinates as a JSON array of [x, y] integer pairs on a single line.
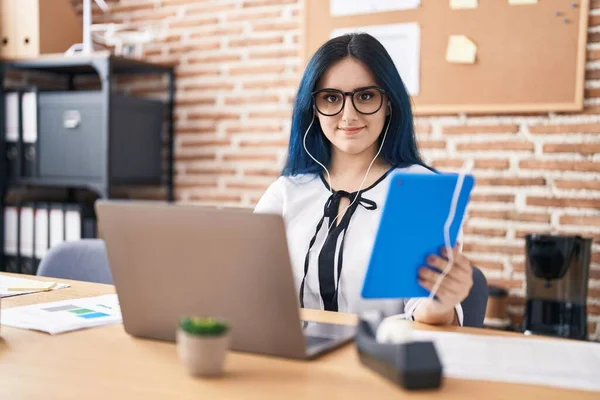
[[411, 228]]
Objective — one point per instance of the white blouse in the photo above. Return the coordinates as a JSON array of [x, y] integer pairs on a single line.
[[308, 208]]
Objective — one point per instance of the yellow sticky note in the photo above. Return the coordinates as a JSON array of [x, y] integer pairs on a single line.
[[516, 2], [460, 50], [463, 4]]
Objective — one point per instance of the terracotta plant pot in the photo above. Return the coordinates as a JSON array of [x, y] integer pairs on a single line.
[[203, 355]]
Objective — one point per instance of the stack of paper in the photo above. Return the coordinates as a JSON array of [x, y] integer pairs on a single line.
[[67, 315], [551, 362], [12, 286]]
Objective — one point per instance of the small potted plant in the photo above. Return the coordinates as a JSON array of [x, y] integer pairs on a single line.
[[202, 344]]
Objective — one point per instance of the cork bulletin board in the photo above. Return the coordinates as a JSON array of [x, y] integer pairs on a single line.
[[529, 57]]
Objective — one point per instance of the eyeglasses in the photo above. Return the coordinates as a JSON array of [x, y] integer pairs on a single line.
[[366, 100]]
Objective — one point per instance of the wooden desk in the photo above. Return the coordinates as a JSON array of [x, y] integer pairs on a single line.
[[109, 364]]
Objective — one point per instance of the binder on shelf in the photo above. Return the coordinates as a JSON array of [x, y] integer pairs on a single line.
[[11, 229], [80, 221], [42, 229], [26, 255], [56, 221], [21, 133], [11, 133], [72, 224], [29, 122], [32, 228]]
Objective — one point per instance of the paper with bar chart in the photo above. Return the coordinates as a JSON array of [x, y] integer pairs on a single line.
[[64, 316]]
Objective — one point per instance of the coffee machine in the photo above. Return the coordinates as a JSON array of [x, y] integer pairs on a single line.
[[557, 269]]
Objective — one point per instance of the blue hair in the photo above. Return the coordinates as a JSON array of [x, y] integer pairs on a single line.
[[400, 147]]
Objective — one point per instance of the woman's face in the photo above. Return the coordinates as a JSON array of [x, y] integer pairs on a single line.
[[350, 131]]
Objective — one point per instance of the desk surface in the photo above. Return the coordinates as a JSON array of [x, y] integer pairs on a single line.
[[107, 363]]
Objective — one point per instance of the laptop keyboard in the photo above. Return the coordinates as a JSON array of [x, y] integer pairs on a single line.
[[316, 340]]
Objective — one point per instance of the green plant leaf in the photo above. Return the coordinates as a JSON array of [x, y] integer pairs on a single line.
[[203, 326]]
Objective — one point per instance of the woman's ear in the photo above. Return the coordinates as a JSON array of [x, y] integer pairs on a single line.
[[318, 116], [388, 110]]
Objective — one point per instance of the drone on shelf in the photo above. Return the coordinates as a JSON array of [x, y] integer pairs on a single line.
[[125, 41]]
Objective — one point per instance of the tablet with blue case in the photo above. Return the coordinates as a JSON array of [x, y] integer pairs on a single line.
[[411, 228]]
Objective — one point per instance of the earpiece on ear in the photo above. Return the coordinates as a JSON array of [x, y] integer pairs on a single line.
[[389, 108]]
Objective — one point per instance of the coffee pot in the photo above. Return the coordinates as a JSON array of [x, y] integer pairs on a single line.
[[557, 269]]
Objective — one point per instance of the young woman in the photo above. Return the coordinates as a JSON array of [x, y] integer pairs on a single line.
[[351, 126]]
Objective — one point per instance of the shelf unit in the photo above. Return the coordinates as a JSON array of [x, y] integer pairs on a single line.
[[66, 69]]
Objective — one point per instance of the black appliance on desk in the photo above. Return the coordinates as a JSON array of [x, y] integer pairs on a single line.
[[557, 269]]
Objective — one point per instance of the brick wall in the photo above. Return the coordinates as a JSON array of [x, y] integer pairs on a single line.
[[238, 68]]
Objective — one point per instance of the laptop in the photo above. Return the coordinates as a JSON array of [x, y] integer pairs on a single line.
[[169, 260]]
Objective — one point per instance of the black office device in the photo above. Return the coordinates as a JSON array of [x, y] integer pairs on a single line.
[[412, 365]]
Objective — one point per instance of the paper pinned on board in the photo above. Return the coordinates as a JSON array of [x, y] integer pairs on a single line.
[[338, 8], [403, 43], [66, 315], [13, 286], [518, 2], [463, 4], [538, 361], [461, 50]]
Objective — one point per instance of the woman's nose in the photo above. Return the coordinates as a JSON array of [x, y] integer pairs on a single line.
[[349, 112]]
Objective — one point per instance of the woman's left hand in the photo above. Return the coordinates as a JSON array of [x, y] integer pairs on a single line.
[[453, 289]]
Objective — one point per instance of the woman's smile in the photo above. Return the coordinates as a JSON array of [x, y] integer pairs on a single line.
[[350, 130]]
